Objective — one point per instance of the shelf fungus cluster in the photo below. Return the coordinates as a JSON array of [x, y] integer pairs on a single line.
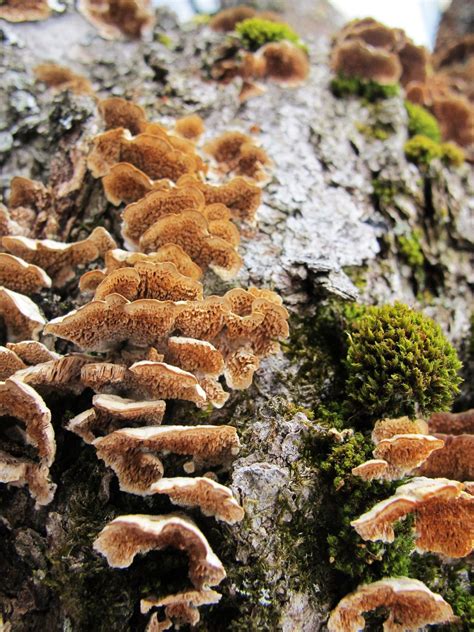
[[147, 335], [115, 19], [259, 46]]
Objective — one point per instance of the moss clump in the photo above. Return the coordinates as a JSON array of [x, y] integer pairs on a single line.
[[410, 249], [255, 32], [377, 131], [371, 91], [422, 150], [400, 363], [385, 191], [452, 155], [420, 121]]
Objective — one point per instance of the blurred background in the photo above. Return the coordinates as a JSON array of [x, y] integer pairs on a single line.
[[419, 18]]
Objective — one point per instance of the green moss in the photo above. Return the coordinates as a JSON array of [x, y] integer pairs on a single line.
[[255, 32], [377, 131], [371, 91], [420, 121], [422, 150], [410, 249], [452, 155], [385, 191], [399, 363]]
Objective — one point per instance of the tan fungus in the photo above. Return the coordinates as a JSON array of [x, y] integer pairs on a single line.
[[32, 352], [19, 472], [19, 276], [126, 536], [452, 423], [182, 607], [455, 460], [25, 10], [354, 58], [118, 112], [116, 18], [63, 78], [410, 604], [9, 363], [21, 316], [190, 127]]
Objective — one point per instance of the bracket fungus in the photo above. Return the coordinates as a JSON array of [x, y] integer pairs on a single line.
[[455, 460], [236, 152], [127, 536], [111, 412], [19, 276], [58, 259], [25, 10], [63, 78], [181, 608], [411, 605], [131, 452], [20, 315], [444, 516], [9, 363], [190, 127], [452, 423], [20, 402], [117, 18], [32, 352]]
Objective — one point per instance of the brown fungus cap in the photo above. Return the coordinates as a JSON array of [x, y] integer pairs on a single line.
[[19, 472], [282, 62], [19, 276], [25, 404], [388, 428], [126, 183], [181, 608], [444, 516], [25, 10], [202, 320], [116, 18], [9, 363], [242, 197], [455, 460], [63, 374], [354, 58], [452, 423], [160, 281], [227, 19], [190, 231], [168, 253], [455, 116], [139, 216], [212, 498], [58, 259], [126, 536], [112, 413], [32, 352], [414, 60], [131, 452], [198, 356], [21, 316], [165, 381], [410, 604], [118, 112], [240, 367], [154, 155], [106, 324], [62, 78], [190, 127]]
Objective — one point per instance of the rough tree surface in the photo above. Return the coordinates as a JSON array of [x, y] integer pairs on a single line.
[[322, 231]]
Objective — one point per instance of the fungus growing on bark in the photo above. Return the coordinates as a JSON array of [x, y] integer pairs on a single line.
[[58, 259], [387, 428], [242, 197], [355, 58], [452, 423], [141, 215], [160, 281], [455, 460], [227, 19], [116, 18], [25, 10], [118, 112], [19, 472], [154, 155], [190, 127], [63, 78], [20, 315], [9, 363], [131, 452], [127, 536], [126, 183], [456, 119], [19, 276], [20, 401], [111, 412], [197, 356], [190, 231], [282, 62], [236, 152], [444, 516], [32, 352], [212, 498], [410, 603], [182, 607]]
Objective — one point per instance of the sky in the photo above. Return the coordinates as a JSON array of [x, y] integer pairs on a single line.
[[419, 18]]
